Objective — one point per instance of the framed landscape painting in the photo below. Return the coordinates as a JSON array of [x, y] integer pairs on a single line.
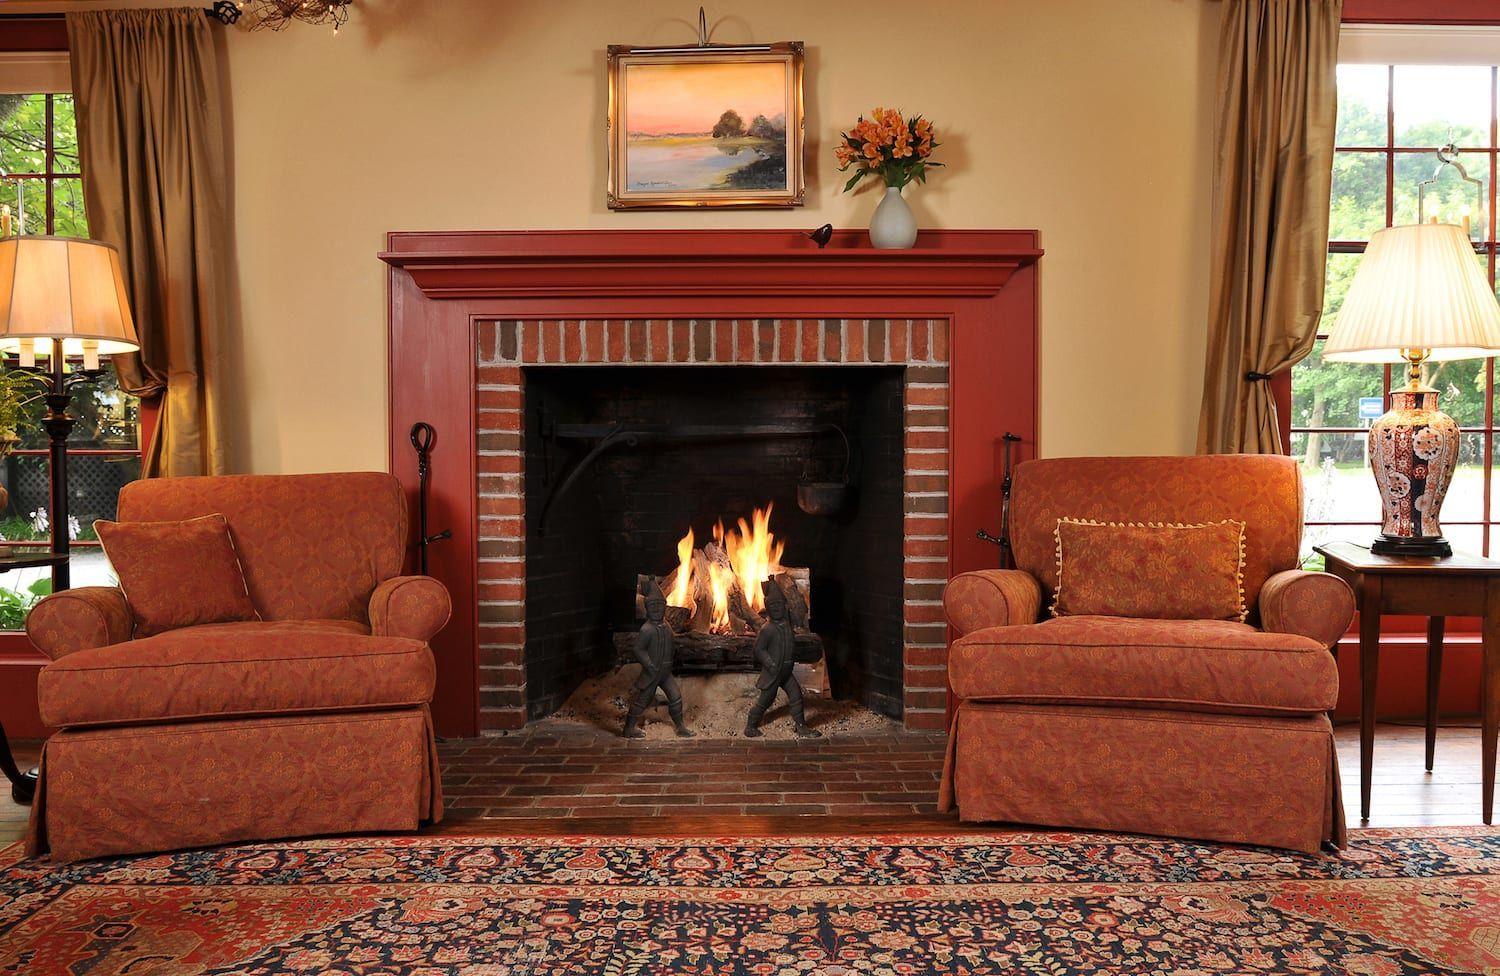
[[705, 127]]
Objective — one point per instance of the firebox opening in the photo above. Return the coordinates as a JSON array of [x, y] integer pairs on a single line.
[[716, 442]]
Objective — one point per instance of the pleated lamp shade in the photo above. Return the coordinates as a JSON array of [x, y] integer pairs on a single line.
[[64, 288], [1417, 287]]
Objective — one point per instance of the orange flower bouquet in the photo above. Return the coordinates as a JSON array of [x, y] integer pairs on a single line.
[[897, 149]]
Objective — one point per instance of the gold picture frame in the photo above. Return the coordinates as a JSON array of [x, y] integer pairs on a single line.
[[710, 126]]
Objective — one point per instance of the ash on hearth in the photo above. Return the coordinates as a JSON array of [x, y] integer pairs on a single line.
[[715, 707]]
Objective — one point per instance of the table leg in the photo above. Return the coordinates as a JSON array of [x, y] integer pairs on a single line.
[[1434, 677], [22, 785], [1369, 670], [1489, 696]]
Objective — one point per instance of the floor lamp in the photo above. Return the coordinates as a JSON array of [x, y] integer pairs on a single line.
[[59, 296], [62, 296]]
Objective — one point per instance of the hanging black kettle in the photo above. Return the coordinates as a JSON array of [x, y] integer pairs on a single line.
[[825, 497]]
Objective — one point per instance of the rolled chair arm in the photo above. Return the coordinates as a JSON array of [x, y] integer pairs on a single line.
[[75, 620], [1316, 605], [409, 606], [991, 598]]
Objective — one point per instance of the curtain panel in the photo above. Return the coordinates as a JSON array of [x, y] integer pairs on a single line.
[[152, 149], [1272, 174]]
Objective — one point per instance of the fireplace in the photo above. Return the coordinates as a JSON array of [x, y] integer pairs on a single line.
[[525, 350], [614, 477]]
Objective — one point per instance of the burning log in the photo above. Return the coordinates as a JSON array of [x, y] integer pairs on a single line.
[[719, 652], [714, 596], [793, 584], [717, 589], [721, 574], [702, 594], [679, 619]]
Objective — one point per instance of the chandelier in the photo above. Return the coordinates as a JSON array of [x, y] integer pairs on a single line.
[[276, 14]]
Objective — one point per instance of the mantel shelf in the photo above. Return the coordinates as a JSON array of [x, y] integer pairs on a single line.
[[684, 263]]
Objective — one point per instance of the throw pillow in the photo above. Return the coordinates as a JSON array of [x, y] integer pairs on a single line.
[[177, 574], [1159, 570]]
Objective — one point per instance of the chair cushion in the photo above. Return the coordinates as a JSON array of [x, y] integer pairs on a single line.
[[1169, 571], [1187, 665], [177, 574], [255, 668]]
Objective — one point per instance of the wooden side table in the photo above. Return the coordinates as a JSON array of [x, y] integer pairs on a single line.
[[23, 784], [1451, 586]]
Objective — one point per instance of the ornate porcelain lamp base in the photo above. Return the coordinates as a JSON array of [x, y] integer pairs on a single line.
[[1413, 453]]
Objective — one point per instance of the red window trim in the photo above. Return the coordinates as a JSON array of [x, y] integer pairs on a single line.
[[34, 33], [1281, 395], [1477, 13], [150, 416]]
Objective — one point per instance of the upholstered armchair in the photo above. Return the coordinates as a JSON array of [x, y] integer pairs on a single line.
[[310, 717], [1202, 728]]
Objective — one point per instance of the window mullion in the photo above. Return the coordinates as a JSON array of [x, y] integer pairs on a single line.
[[49, 146]]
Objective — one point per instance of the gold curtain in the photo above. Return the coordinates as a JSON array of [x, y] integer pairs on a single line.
[[1272, 174], [152, 148]]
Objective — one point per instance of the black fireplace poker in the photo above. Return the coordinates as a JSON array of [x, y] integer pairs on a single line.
[[1007, 558], [424, 439]]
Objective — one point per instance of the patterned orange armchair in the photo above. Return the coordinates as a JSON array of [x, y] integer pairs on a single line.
[[312, 719], [1203, 728]]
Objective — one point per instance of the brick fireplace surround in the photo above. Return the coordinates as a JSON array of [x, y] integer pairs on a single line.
[[505, 347], [470, 312]]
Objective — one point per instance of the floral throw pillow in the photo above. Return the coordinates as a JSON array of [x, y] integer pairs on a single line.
[[177, 574], [1158, 570]]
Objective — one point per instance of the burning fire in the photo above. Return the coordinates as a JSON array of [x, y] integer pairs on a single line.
[[736, 561], [682, 593], [754, 553], [719, 582]]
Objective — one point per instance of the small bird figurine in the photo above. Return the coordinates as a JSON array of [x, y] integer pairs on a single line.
[[822, 235]]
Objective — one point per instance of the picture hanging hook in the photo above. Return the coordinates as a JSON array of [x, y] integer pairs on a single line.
[[702, 28]]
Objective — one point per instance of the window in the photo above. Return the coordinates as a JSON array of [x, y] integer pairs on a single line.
[[41, 184], [1392, 120], [39, 157]]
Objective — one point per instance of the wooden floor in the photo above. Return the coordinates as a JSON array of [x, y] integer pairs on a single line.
[[1404, 794]]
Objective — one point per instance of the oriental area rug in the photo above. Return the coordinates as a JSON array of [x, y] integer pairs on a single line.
[[1397, 901]]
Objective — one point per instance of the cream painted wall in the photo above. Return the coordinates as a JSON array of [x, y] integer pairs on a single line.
[[1088, 119]]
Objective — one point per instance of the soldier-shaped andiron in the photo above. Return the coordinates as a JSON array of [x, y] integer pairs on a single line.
[[775, 650], [653, 649]]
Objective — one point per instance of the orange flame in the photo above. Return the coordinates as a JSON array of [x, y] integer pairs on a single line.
[[719, 581], [755, 555], [682, 592]]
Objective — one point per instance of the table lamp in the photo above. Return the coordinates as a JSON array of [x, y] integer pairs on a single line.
[[1417, 297], [62, 296]]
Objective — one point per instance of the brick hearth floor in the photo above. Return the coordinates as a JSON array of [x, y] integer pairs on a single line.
[[586, 773]]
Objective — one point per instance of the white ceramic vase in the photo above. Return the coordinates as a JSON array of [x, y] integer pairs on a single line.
[[893, 224]]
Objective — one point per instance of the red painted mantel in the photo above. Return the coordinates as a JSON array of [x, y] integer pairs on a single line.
[[983, 282]]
